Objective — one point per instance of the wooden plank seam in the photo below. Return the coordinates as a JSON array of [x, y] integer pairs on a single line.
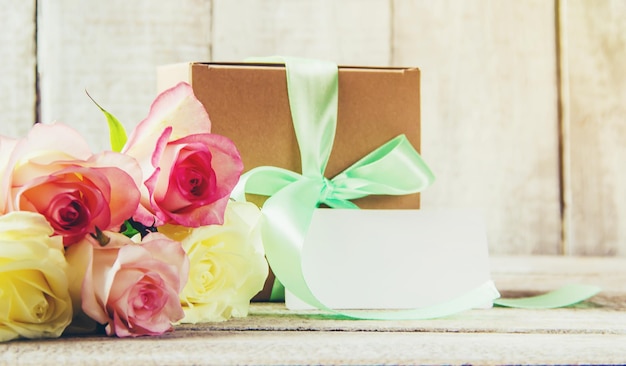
[[563, 100]]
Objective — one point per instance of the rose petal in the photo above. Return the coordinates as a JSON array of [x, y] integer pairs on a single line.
[[176, 107], [228, 266]]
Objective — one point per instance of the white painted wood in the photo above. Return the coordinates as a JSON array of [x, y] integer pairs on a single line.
[[17, 67], [347, 32], [489, 112], [326, 348], [595, 35], [111, 49]]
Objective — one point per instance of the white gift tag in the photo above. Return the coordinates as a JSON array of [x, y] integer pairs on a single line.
[[393, 259]]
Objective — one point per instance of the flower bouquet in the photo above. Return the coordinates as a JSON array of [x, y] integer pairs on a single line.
[[135, 239]]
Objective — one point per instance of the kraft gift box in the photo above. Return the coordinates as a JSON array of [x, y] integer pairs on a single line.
[[249, 103]]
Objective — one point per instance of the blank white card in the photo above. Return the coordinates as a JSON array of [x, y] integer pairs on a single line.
[[393, 259]]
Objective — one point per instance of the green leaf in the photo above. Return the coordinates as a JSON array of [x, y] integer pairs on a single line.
[[117, 134], [128, 229], [132, 228]]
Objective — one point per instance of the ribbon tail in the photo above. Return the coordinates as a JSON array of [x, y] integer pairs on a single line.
[[476, 298], [565, 296], [285, 222], [278, 292]]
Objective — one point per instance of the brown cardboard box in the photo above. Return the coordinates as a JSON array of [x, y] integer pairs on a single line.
[[248, 103]]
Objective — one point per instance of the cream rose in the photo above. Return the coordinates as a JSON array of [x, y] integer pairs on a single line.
[[227, 265], [34, 296]]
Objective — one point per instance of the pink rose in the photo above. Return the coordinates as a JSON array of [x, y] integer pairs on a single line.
[[52, 172], [133, 288], [193, 184], [190, 172]]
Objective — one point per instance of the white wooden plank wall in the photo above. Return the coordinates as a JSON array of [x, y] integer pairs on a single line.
[[17, 67], [491, 119]]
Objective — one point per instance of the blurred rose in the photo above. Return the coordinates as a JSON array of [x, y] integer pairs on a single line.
[[34, 297], [189, 172], [132, 288], [76, 256], [227, 265], [53, 172], [6, 149]]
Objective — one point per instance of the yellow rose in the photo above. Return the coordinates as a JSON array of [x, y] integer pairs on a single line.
[[34, 295], [227, 265]]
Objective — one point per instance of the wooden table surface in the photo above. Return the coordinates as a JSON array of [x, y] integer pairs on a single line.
[[593, 332]]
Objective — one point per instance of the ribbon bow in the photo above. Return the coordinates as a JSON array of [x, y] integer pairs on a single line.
[[395, 168]]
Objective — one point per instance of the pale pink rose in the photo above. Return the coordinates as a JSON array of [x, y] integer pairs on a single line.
[[189, 172], [133, 288], [52, 172]]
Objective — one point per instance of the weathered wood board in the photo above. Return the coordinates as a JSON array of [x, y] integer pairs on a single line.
[[489, 112], [18, 94], [111, 49], [347, 32], [594, 35]]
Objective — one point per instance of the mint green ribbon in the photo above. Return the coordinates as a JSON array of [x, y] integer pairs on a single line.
[[395, 168]]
